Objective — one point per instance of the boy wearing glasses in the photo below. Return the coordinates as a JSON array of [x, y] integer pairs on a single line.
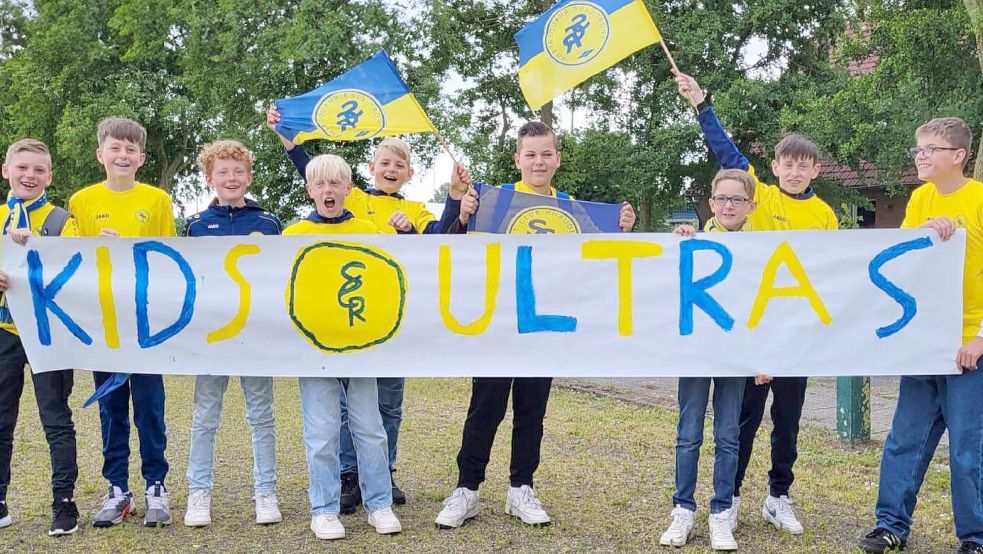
[[929, 405], [792, 205], [731, 201]]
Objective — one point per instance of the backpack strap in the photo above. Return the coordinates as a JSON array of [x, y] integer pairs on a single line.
[[55, 222]]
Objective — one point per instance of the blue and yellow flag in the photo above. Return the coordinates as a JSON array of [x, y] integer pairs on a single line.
[[577, 39], [503, 210], [370, 100]]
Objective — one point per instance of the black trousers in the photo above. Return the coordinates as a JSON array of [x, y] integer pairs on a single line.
[[489, 399], [789, 394], [52, 390]]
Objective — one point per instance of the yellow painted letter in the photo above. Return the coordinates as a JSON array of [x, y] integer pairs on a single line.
[[235, 326], [623, 251], [493, 270], [767, 289], [104, 267]]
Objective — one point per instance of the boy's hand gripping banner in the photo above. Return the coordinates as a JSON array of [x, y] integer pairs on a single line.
[[370, 100], [782, 303]]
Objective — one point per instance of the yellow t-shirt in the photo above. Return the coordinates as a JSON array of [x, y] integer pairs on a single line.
[[965, 208], [778, 211], [714, 226], [354, 226], [523, 187], [37, 222], [379, 208], [143, 211]]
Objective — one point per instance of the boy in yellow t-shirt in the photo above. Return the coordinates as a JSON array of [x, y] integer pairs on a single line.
[[122, 207], [27, 167], [384, 205], [329, 181], [929, 406], [790, 206]]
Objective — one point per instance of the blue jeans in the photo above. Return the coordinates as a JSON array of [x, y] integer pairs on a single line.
[[320, 400], [927, 406], [391, 409], [693, 394], [209, 396], [147, 392]]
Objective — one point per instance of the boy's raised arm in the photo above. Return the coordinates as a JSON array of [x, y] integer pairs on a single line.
[[724, 149], [296, 153]]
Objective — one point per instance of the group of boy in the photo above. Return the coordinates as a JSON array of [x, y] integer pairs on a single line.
[[351, 425]]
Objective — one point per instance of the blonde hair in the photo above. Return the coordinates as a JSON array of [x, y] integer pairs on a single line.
[[28, 145], [739, 175], [121, 128], [394, 145], [953, 130], [224, 150], [328, 167]]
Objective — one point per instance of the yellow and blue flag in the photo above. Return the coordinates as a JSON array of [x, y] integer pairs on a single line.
[[503, 210], [370, 100], [577, 39]]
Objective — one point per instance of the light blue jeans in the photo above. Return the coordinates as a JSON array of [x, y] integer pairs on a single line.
[[694, 395], [391, 409], [320, 400], [209, 396]]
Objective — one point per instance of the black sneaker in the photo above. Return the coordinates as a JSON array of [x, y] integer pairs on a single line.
[[970, 547], [398, 496], [5, 519], [881, 540], [65, 520], [351, 495]]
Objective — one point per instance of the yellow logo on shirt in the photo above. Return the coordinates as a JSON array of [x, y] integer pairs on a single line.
[[141, 216], [577, 33], [543, 220], [349, 115], [346, 296]]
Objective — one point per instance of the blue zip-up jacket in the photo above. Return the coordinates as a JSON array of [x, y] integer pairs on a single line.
[[447, 224], [728, 155], [220, 221]]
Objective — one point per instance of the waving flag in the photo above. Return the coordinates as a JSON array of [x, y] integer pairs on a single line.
[[370, 100], [577, 39], [505, 211]]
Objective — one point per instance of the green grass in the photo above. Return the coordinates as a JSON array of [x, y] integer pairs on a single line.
[[606, 479]]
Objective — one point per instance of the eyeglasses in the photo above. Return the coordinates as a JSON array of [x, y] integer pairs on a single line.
[[915, 151], [736, 201]]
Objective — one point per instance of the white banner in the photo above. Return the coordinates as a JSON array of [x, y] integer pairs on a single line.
[[783, 303]]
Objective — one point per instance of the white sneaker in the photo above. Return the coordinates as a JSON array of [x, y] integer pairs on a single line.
[[462, 505], [735, 507], [385, 521], [522, 503], [721, 536], [267, 508], [681, 528], [199, 512], [779, 512], [327, 527]]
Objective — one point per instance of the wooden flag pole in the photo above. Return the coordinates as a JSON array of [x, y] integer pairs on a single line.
[[672, 61], [446, 145]]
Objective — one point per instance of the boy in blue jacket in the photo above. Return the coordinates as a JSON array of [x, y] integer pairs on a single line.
[[227, 166]]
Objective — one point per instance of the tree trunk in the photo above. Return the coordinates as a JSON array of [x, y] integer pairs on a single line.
[[645, 211], [546, 114], [975, 10]]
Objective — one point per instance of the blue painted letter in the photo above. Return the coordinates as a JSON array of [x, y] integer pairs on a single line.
[[907, 302], [525, 301], [140, 251], [695, 294], [44, 297]]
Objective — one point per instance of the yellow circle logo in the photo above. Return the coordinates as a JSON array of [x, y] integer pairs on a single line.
[[141, 215], [543, 220], [346, 296], [576, 33], [349, 115]]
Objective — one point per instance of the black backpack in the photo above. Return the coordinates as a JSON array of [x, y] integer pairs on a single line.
[[55, 222]]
